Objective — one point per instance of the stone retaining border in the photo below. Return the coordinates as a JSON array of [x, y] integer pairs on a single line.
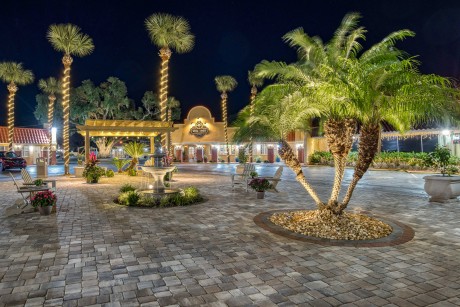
[[401, 232]]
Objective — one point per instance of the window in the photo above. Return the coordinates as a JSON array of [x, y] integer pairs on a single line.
[[25, 151]]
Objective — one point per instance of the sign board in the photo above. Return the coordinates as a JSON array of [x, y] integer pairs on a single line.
[[199, 130]]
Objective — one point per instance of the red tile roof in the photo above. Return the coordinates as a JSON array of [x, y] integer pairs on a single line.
[[25, 136]]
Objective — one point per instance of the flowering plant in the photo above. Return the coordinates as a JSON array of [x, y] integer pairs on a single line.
[[43, 199], [260, 184], [92, 172]]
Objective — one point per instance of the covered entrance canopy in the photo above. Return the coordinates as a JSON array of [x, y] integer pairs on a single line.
[[123, 128]]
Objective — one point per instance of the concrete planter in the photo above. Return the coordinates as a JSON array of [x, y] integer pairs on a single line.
[[442, 188], [79, 171]]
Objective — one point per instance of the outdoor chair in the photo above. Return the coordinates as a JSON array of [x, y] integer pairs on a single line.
[[275, 179], [28, 181], [26, 192], [241, 177]]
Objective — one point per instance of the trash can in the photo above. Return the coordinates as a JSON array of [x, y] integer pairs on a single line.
[[42, 168]]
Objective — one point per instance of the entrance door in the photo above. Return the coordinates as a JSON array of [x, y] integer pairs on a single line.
[[214, 154], [271, 154], [300, 154], [191, 154], [179, 155], [199, 154]]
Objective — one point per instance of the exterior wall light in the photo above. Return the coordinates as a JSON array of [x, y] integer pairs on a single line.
[[445, 132]]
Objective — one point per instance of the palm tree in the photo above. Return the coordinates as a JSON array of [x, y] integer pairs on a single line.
[[50, 86], [68, 39], [225, 84], [389, 88], [380, 85], [322, 67], [13, 74], [168, 32], [134, 150], [255, 82]]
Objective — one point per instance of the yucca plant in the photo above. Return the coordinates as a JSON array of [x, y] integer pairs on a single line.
[[134, 150], [120, 163]]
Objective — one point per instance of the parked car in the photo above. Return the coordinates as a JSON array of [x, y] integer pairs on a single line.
[[9, 159]]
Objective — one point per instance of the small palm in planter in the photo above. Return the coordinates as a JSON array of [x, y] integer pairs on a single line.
[[260, 185], [44, 201], [442, 188], [92, 171]]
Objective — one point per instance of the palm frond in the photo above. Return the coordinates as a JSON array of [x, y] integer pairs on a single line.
[[50, 85], [254, 80], [225, 84], [15, 72], [67, 38], [168, 31]]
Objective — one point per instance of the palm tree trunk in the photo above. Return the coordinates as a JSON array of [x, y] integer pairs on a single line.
[[224, 119], [165, 55], [293, 163], [251, 114], [67, 61], [368, 147], [133, 164], [170, 147], [339, 137], [12, 89], [51, 98]]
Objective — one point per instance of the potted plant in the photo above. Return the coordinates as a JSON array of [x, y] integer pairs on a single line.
[[442, 187], [260, 185], [38, 182], [92, 171], [44, 201], [253, 174]]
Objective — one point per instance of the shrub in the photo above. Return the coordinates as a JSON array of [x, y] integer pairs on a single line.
[[442, 160], [278, 159], [130, 198], [189, 196], [132, 172], [109, 173], [242, 156], [126, 188]]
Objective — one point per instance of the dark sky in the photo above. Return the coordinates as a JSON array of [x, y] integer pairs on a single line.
[[231, 37]]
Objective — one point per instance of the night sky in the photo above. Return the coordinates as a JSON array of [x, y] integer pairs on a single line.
[[231, 37]]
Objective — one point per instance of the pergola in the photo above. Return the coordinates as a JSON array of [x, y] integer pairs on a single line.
[[123, 128]]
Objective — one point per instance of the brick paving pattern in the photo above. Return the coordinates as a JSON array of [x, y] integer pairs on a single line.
[[93, 252]]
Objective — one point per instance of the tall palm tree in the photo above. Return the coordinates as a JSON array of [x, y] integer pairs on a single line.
[[13, 74], [225, 84], [68, 39], [168, 32], [50, 86], [255, 82]]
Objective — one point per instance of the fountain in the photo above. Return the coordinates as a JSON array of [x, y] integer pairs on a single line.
[[158, 171]]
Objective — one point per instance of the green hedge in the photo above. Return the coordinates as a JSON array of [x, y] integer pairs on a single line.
[[384, 160]]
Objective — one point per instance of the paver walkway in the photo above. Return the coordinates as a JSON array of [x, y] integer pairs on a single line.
[[96, 252]]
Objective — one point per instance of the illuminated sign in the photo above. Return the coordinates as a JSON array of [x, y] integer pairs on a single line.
[[199, 130]]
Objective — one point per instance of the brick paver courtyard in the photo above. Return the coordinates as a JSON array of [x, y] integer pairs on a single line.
[[96, 252]]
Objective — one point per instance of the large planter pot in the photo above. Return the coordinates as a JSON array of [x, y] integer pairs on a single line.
[[79, 171], [442, 188], [45, 210], [260, 195]]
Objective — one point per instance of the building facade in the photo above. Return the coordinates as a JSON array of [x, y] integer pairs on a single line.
[[201, 138], [29, 143]]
